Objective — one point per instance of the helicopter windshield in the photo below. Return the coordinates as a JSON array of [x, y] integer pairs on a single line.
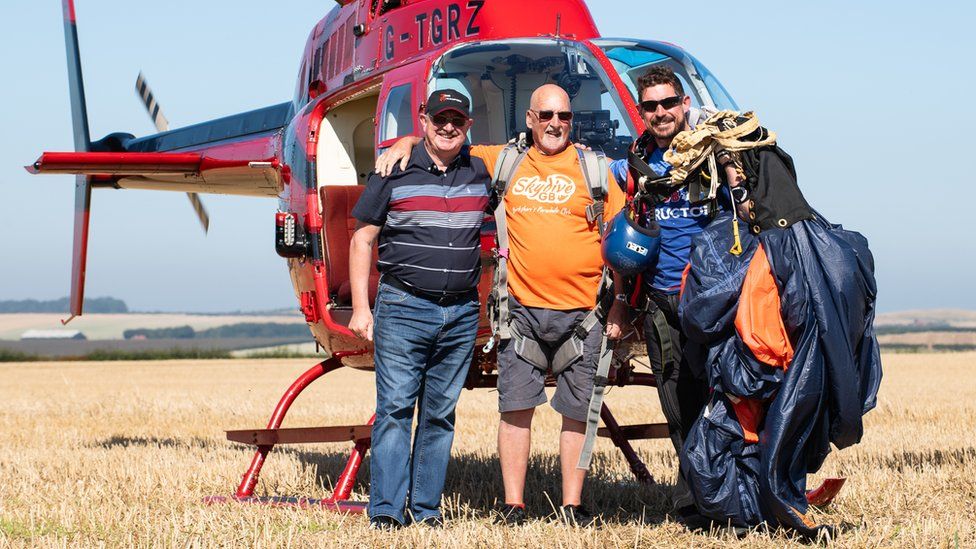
[[633, 58], [500, 76]]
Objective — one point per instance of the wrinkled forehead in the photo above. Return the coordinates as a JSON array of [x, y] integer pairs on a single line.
[[551, 101]]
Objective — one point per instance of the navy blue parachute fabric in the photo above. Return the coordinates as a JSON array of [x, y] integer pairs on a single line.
[[825, 278]]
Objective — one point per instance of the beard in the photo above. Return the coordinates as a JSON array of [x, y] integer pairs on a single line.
[[677, 125]]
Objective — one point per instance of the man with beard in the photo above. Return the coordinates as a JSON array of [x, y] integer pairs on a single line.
[[554, 273], [427, 216], [665, 110]]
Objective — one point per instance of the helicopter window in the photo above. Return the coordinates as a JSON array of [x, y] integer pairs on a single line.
[[387, 5], [397, 113], [499, 78], [301, 92], [632, 60]]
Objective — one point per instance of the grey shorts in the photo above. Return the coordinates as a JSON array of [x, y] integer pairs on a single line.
[[521, 385]]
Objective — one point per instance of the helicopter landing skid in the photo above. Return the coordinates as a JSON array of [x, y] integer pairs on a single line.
[[266, 439]]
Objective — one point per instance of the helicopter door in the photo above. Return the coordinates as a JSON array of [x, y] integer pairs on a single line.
[[344, 158]]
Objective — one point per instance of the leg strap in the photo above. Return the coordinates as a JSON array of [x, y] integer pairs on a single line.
[[663, 330], [529, 350]]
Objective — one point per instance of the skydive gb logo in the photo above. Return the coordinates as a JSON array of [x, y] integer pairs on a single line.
[[556, 189]]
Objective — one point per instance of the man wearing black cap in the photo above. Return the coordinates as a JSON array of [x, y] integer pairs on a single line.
[[428, 219]]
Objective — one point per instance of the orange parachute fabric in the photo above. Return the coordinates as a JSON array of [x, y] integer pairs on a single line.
[[758, 319]]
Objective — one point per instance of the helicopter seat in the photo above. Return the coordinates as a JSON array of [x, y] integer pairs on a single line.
[[339, 225]]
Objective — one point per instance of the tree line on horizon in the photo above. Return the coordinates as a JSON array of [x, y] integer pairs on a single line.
[[105, 305], [240, 330]]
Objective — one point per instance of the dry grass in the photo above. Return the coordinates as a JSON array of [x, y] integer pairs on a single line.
[[120, 454]]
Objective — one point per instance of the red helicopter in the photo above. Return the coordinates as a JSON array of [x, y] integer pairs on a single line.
[[366, 67]]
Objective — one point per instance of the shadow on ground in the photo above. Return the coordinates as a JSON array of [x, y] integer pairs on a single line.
[[125, 442], [474, 481]]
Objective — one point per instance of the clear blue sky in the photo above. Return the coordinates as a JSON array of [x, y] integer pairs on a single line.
[[864, 95]]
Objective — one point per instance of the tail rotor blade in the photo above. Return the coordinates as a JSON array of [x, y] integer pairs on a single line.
[[76, 84], [162, 124], [79, 251], [82, 139]]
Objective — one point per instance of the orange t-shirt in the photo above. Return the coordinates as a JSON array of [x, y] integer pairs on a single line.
[[554, 257]]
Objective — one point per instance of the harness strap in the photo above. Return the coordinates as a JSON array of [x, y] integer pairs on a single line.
[[498, 307], [530, 350], [663, 330], [594, 167], [600, 382], [600, 379]]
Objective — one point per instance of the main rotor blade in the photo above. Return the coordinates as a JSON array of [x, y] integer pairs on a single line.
[[162, 124], [152, 106], [201, 211]]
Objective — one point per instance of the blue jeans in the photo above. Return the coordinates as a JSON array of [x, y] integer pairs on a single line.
[[422, 353]]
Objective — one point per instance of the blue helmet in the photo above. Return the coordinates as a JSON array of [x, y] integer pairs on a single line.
[[628, 248]]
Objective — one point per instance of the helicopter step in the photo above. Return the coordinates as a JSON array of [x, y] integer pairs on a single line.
[[300, 435]]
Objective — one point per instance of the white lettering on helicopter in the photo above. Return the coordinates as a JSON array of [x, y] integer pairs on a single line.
[[556, 189], [438, 27]]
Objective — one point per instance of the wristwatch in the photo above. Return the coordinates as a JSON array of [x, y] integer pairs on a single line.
[[739, 194], [621, 297]]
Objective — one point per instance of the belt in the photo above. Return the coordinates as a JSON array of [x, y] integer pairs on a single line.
[[440, 298]]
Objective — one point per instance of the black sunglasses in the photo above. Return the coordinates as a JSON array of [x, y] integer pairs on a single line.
[[667, 103], [456, 120], [545, 116]]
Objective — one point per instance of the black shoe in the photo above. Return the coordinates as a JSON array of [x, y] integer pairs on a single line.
[[510, 515], [576, 515], [432, 522], [385, 523], [698, 523]]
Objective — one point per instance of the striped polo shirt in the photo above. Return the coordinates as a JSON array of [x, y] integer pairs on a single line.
[[431, 221]]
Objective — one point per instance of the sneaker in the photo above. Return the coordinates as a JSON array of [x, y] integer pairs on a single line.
[[385, 523], [693, 521], [510, 515], [576, 515]]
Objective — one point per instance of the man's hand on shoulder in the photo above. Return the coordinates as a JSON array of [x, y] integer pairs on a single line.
[[398, 153]]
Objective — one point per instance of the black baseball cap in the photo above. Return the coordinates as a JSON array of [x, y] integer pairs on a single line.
[[448, 99]]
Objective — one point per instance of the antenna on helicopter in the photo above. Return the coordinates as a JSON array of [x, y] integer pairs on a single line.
[[162, 125]]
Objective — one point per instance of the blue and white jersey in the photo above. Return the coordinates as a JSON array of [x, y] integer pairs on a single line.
[[679, 221]]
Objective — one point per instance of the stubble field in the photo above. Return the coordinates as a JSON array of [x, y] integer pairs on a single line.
[[121, 454]]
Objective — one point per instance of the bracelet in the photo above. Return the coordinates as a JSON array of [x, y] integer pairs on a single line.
[[621, 297]]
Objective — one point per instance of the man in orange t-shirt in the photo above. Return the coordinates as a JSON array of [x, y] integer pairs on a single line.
[[554, 272]]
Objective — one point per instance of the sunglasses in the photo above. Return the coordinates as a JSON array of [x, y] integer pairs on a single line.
[[456, 120], [667, 103], [545, 116]]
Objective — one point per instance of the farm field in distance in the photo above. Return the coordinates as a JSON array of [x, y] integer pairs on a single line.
[[121, 453], [111, 326]]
